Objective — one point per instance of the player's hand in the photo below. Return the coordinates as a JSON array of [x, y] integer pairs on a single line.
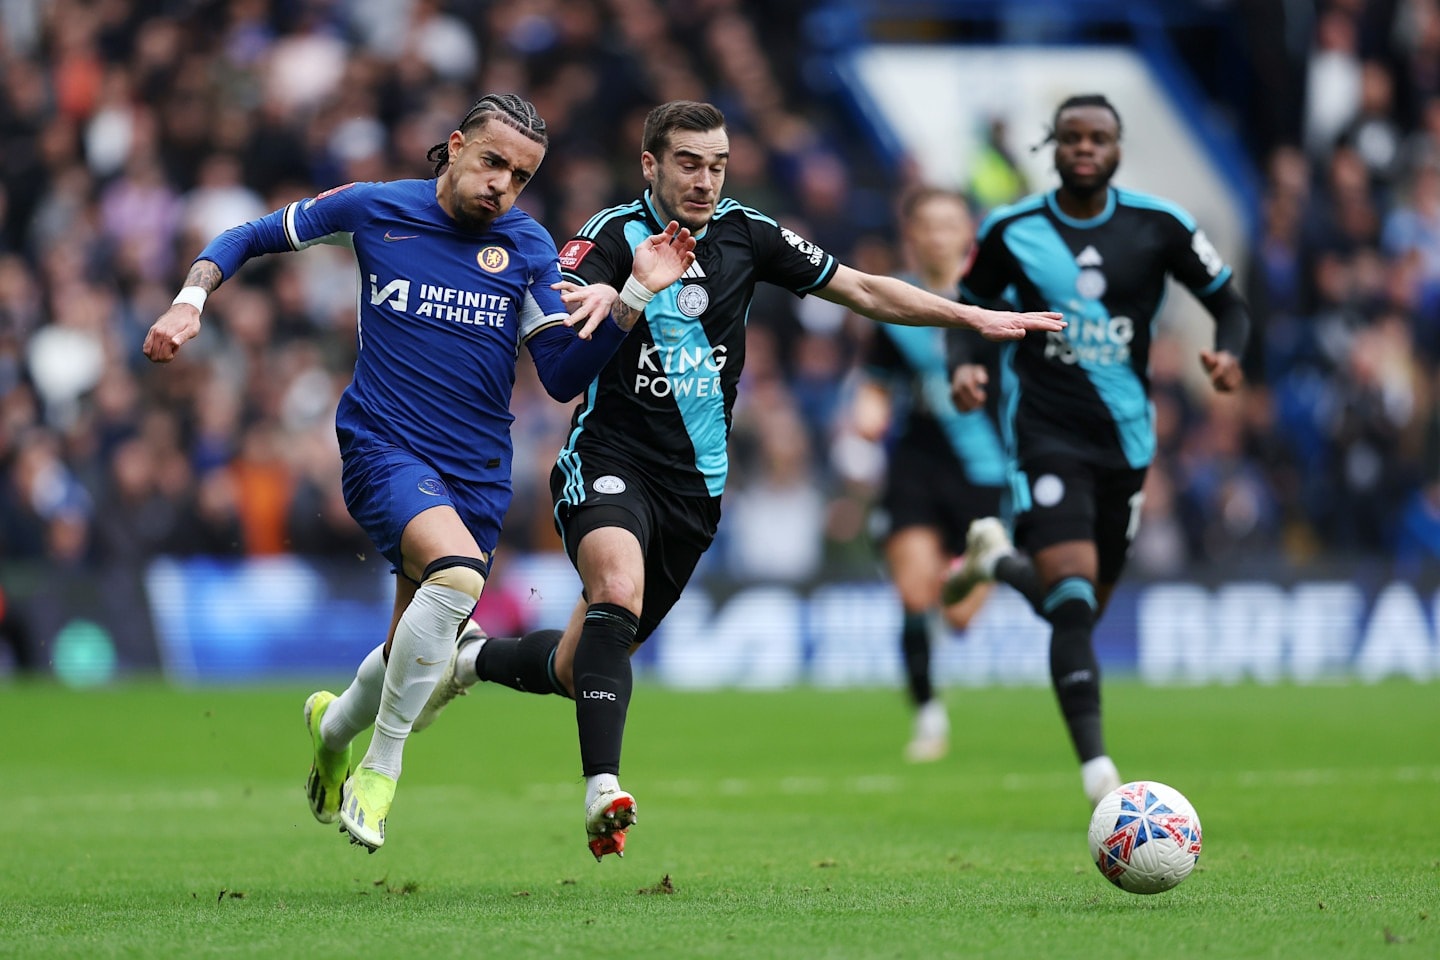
[[870, 413], [1223, 368], [1001, 325], [176, 326], [663, 258], [967, 386], [588, 305]]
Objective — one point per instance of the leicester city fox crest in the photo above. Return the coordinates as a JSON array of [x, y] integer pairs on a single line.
[[692, 300]]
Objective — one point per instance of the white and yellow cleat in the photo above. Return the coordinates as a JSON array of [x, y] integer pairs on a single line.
[[328, 768], [365, 803], [450, 685]]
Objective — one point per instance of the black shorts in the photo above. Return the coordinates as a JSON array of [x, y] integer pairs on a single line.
[[1061, 498], [928, 488], [673, 530]]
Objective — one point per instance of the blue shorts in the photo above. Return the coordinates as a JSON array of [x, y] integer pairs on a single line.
[[386, 487]]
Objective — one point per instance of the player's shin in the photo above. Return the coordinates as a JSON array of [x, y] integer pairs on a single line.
[[1019, 571], [522, 663], [602, 698], [603, 682], [355, 709], [915, 647], [1074, 670], [424, 639]]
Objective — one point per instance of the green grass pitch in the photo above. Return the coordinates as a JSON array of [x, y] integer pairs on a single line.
[[145, 821]]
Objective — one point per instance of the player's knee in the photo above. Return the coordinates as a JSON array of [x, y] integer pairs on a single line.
[[1071, 604], [463, 574], [616, 587], [917, 594]]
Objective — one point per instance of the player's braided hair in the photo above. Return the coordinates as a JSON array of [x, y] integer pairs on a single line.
[[505, 107], [1081, 100]]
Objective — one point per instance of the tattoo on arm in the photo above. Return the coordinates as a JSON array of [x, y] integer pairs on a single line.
[[624, 315], [205, 275]]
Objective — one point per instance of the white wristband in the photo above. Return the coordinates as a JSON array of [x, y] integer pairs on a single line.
[[195, 296], [635, 295]]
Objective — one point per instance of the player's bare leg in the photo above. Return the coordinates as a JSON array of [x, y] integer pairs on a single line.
[[916, 557]]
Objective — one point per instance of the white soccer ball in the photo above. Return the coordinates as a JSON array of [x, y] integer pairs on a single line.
[[1145, 837]]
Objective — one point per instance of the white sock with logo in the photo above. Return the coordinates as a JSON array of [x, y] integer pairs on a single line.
[[424, 639]]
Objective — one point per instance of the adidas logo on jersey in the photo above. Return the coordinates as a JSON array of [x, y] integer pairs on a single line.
[[693, 273], [1089, 257]]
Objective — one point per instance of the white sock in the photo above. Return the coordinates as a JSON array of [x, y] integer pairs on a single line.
[[1098, 777], [986, 561], [423, 640], [598, 784], [354, 710], [932, 722], [465, 662]]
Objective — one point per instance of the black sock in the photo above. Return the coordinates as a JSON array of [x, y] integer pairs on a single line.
[[1074, 670], [1017, 570], [915, 647], [521, 663], [602, 685]]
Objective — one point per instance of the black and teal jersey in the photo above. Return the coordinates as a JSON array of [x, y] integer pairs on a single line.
[[1085, 391], [663, 402], [910, 363]]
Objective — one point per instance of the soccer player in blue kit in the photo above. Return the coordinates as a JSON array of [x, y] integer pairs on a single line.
[[454, 279], [903, 400], [637, 486], [1076, 404]]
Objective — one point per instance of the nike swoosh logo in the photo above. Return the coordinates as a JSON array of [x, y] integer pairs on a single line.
[[391, 238], [428, 663]]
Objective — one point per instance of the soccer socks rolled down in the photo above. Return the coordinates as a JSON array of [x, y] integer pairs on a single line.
[[1074, 671], [602, 685], [419, 653], [355, 709], [915, 648], [1018, 571], [522, 663]]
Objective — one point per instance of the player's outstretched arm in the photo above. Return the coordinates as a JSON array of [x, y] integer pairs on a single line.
[[659, 261], [181, 323], [1003, 325], [227, 253], [894, 301]]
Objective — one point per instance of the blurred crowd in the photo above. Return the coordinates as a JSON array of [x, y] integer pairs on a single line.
[[131, 132]]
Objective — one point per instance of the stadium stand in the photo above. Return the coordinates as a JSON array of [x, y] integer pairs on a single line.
[[132, 131]]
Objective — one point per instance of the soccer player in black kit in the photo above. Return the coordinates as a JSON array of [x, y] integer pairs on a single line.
[[637, 486], [1075, 404]]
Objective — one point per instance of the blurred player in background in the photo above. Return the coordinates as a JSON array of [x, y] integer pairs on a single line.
[[1076, 403], [637, 486], [457, 280], [944, 468]]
